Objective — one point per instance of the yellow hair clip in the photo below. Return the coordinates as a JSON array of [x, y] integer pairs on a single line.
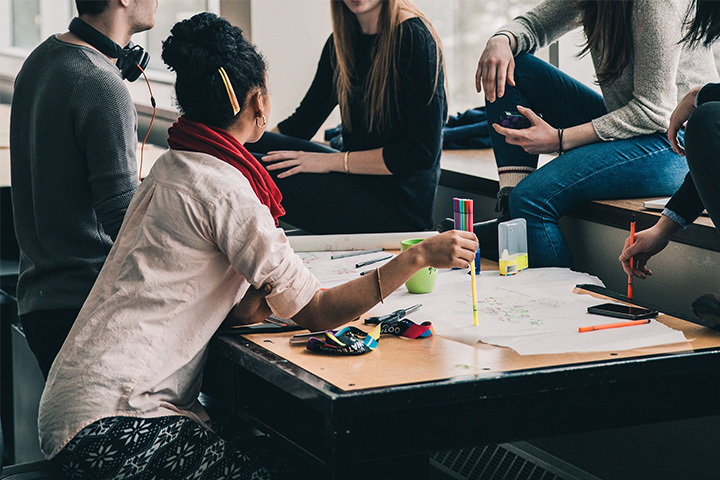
[[231, 93]]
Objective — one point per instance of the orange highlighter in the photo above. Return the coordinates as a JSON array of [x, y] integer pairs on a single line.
[[613, 325], [632, 259]]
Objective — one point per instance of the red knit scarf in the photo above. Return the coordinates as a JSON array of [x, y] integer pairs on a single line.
[[197, 137]]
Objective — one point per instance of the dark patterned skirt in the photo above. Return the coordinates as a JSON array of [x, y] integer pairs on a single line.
[[172, 447]]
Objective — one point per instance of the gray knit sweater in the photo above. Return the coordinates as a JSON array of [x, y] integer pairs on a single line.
[[661, 72], [72, 151]]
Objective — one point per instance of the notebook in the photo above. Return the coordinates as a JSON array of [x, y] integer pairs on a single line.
[[659, 204]]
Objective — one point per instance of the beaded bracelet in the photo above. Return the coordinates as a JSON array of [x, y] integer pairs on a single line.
[[505, 34], [345, 162]]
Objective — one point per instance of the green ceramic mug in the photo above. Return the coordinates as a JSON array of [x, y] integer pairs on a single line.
[[424, 280]]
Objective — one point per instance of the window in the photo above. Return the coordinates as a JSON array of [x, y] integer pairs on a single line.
[[29, 22], [168, 14], [25, 23], [464, 27]]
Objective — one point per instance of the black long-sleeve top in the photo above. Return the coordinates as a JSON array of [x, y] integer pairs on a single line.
[[411, 144], [686, 202]]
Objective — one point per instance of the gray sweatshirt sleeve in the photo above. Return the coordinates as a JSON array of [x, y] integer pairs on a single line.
[[106, 124], [657, 31], [641, 101], [543, 25]]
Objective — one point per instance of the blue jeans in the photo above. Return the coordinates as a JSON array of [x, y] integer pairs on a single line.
[[643, 166]]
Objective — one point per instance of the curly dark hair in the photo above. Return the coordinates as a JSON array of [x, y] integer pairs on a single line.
[[195, 50]]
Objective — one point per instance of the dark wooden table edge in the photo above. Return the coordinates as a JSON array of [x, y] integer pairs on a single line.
[[518, 405]]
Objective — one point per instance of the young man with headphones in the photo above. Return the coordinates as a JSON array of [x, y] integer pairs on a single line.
[[73, 140]]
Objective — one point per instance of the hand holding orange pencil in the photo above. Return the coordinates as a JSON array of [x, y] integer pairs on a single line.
[[632, 260]]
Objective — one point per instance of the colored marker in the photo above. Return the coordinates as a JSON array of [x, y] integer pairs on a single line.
[[353, 254], [632, 259], [604, 326], [463, 216], [371, 261]]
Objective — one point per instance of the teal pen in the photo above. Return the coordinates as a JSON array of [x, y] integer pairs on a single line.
[[353, 254], [371, 261]]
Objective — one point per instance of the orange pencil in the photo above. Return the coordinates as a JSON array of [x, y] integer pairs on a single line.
[[632, 259], [614, 325]]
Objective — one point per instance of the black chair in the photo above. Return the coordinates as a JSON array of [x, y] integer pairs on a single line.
[[42, 470]]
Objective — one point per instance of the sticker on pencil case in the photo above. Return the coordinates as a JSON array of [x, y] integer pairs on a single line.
[[354, 341], [346, 341], [405, 327]]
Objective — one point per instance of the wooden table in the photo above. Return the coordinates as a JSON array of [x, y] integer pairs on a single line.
[[378, 415]]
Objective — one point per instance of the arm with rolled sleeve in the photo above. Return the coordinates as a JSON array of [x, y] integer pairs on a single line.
[[245, 232], [685, 205]]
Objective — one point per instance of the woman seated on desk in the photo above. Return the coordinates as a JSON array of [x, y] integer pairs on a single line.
[[614, 145], [121, 397], [699, 113], [383, 66]]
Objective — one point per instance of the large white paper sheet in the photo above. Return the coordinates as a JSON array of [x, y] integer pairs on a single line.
[[362, 241], [533, 312], [332, 272]]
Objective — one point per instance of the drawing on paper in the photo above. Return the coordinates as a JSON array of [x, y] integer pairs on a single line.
[[506, 310]]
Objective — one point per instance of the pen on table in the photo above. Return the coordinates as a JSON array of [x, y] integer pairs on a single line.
[[353, 254], [302, 337], [604, 326], [396, 315], [278, 321], [367, 271], [371, 261], [632, 259]]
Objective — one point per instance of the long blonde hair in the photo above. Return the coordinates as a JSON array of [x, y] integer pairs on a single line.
[[381, 94]]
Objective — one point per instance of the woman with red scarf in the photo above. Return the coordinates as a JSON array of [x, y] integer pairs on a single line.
[[198, 246]]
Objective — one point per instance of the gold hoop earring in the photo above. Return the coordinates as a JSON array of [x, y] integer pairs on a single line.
[[264, 121]]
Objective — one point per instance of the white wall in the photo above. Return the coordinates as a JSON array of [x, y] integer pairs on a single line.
[[290, 34]]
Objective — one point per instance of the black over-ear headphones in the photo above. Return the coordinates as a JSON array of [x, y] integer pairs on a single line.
[[129, 58]]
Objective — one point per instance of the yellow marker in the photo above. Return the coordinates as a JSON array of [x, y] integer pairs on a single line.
[[474, 292]]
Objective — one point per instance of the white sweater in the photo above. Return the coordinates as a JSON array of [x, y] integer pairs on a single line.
[[660, 73]]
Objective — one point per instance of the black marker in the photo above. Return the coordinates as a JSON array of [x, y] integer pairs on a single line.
[[370, 262]]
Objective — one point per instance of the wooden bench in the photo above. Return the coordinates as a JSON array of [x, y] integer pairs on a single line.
[[475, 171], [596, 232]]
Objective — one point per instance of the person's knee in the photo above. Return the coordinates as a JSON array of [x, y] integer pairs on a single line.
[[527, 61], [702, 134], [526, 201]]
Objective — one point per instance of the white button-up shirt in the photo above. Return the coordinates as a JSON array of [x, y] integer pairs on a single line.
[[194, 238]]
